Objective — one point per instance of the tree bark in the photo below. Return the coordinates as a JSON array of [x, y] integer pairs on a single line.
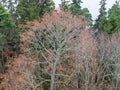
[[52, 85]]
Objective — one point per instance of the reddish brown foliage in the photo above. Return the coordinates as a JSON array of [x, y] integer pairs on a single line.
[[82, 41]]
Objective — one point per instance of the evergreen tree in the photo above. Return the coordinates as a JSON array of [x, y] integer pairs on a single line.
[[5, 21], [113, 22], [76, 9], [85, 12], [64, 5], [101, 20], [8, 28], [32, 9], [10, 5], [8, 34]]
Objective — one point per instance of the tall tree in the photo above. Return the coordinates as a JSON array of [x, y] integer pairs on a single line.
[[31, 9], [113, 22], [64, 5], [76, 9], [8, 34], [85, 12], [101, 20]]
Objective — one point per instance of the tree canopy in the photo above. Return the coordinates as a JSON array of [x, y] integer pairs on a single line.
[[101, 20], [76, 9], [113, 19], [32, 9]]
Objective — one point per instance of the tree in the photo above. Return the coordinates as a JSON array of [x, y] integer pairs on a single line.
[[109, 58], [76, 9], [113, 24], [53, 43], [64, 5], [101, 20], [6, 25], [8, 32], [85, 12], [32, 9], [10, 5]]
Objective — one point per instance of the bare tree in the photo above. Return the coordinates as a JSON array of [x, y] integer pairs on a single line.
[[108, 58], [53, 43]]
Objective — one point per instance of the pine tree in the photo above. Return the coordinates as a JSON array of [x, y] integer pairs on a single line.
[[113, 22], [65, 5], [76, 9], [8, 29], [101, 20], [32, 9], [5, 20], [8, 34], [85, 12]]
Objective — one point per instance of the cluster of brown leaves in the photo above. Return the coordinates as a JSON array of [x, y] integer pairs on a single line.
[[82, 40]]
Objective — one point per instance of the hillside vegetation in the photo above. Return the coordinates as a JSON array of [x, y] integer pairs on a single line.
[[45, 49]]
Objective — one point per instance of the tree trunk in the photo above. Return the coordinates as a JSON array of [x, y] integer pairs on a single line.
[[52, 85]]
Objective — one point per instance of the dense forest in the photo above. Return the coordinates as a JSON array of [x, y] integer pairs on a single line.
[[42, 48]]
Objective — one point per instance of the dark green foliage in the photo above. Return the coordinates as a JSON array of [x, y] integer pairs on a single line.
[[64, 5], [108, 23], [32, 9], [10, 5], [76, 9], [113, 22], [101, 20], [5, 21], [9, 37], [87, 15], [7, 28]]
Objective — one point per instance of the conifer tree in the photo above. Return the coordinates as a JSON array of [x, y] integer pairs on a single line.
[[5, 21], [8, 29], [8, 34], [113, 22], [101, 20], [85, 12], [64, 5], [76, 9], [32, 9]]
